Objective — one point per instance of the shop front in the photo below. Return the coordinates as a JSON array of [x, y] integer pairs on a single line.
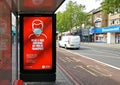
[[109, 35], [100, 38]]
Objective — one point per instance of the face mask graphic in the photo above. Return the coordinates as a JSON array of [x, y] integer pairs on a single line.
[[37, 26], [37, 31]]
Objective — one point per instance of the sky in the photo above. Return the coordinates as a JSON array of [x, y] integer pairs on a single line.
[[89, 4]]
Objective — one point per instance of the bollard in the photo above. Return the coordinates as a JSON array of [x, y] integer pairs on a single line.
[[18, 82]]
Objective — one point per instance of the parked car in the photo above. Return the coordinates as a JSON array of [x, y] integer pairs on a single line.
[[70, 41]]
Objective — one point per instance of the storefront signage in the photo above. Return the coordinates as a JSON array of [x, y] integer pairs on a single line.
[[112, 29], [107, 29]]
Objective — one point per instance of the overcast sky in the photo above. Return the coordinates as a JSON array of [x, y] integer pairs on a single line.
[[89, 4]]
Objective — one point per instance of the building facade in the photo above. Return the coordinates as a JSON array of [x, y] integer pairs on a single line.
[[114, 20], [106, 27], [100, 20]]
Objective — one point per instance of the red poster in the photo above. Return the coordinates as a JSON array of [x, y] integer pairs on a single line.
[[37, 33]]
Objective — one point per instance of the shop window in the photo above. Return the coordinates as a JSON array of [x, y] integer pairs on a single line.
[[96, 37]]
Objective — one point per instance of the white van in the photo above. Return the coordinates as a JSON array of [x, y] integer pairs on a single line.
[[70, 41]]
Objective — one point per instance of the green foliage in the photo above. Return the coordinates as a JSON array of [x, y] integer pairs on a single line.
[[73, 16], [109, 6]]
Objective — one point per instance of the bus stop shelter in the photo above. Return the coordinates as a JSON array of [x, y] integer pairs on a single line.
[[18, 7], [38, 63]]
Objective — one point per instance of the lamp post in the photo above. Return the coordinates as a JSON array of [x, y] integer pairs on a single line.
[[83, 25]]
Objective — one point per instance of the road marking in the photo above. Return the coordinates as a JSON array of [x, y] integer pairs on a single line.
[[100, 71], [86, 70], [68, 59], [62, 59], [75, 59], [92, 59]]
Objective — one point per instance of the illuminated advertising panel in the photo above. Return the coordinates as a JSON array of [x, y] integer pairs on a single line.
[[37, 43]]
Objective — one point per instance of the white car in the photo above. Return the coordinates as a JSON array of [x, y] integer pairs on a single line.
[[70, 41]]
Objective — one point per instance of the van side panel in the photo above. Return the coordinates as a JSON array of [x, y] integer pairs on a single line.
[[70, 41]]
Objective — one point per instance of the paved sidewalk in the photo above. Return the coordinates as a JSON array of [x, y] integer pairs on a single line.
[[101, 44], [61, 79]]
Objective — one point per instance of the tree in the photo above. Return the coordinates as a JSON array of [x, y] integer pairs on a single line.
[[73, 16], [59, 21], [109, 6], [70, 13], [62, 21]]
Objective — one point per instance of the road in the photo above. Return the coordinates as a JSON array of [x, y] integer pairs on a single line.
[[108, 55], [83, 70]]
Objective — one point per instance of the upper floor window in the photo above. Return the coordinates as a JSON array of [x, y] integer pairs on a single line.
[[97, 24], [112, 22]]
